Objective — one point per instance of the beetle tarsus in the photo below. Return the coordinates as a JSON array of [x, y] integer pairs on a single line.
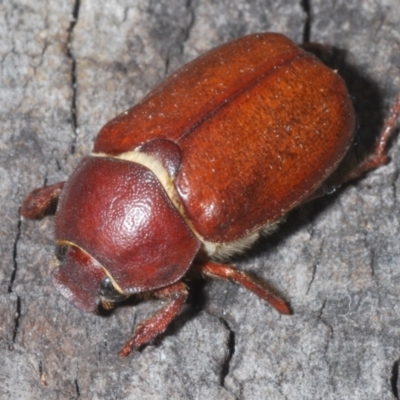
[[157, 324], [221, 271], [41, 201]]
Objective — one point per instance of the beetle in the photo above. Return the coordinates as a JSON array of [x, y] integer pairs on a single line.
[[208, 161]]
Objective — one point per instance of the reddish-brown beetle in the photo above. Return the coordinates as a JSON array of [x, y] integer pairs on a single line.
[[213, 157]]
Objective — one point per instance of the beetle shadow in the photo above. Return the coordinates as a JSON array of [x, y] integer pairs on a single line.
[[194, 304]]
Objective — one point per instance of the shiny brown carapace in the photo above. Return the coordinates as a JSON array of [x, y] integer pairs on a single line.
[[212, 158]]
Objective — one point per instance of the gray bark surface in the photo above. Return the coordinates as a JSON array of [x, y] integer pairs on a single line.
[[67, 67]]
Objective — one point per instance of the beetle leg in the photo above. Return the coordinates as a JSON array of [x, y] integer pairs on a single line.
[[41, 201], [157, 324], [379, 156], [221, 271]]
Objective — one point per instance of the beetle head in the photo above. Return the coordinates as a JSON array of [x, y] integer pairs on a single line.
[[122, 232]]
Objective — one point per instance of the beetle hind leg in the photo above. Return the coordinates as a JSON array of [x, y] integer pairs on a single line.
[[379, 156], [221, 271], [157, 324], [41, 201]]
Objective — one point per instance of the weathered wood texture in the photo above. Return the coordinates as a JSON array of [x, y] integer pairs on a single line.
[[337, 260]]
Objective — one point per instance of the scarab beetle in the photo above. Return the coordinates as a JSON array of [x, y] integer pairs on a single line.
[[212, 158]]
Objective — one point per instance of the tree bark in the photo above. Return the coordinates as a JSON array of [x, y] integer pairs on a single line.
[[67, 67]]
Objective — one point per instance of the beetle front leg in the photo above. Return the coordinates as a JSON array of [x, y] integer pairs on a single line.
[[41, 200], [157, 324], [221, 271]]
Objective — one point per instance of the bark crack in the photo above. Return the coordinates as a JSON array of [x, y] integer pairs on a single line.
[[330, 328], [231, 350], [315, 267], [306, 6], [314, 271], [78, 391], [15, 253], [394, 379], [70, 55], [372, 263], [17, 316], [188, 29], [183, 37]]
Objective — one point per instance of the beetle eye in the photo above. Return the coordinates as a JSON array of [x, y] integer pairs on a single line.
[[108, 293], [61, 251]]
